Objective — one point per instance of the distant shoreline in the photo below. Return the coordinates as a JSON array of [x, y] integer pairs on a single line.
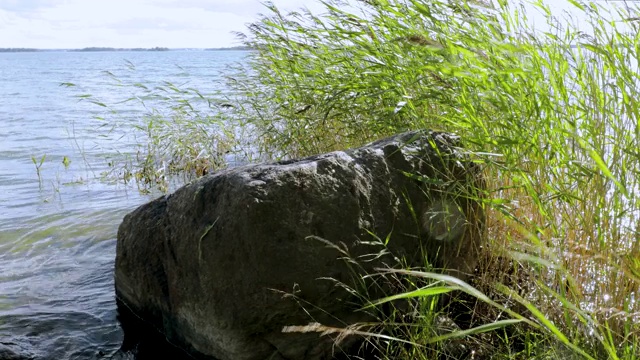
[[107, 49]]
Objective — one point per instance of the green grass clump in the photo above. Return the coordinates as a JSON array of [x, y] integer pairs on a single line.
[[552, 116], [157, 135]]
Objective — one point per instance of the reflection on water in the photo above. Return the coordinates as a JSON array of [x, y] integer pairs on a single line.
[[56, 286], [58, 229]]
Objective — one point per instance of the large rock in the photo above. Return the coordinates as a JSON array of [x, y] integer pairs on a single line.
[[209, 265]]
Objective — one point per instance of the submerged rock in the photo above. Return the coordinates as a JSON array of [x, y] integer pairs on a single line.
[[223, 264]]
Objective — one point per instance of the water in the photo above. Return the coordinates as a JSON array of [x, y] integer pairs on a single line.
[[58, 224]]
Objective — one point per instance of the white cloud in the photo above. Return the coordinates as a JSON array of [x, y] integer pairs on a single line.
[[25, 5], [127, 23]]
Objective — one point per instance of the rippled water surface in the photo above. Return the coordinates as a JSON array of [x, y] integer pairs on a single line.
[[58, 228]]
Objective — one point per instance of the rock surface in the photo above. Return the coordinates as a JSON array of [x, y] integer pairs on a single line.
[[223, 264]]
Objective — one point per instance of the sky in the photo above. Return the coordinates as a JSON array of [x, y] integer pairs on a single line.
[[63, 24], [66, 24]]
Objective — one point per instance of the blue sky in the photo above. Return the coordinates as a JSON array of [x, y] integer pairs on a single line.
[[137, 23]]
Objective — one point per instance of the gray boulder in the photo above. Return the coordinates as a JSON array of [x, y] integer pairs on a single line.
[[223, 264]]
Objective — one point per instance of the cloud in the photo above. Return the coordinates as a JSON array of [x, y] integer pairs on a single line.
[[126, 23], [159, 23], [25, 5], [240, 7], [117, 23]]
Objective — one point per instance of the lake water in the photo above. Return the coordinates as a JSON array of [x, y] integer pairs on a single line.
[[58, 223]]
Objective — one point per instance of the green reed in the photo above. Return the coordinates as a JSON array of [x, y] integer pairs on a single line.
[[179, 134]]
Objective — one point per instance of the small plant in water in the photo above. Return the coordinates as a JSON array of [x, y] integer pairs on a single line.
[[66, 162], [38, 164]]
